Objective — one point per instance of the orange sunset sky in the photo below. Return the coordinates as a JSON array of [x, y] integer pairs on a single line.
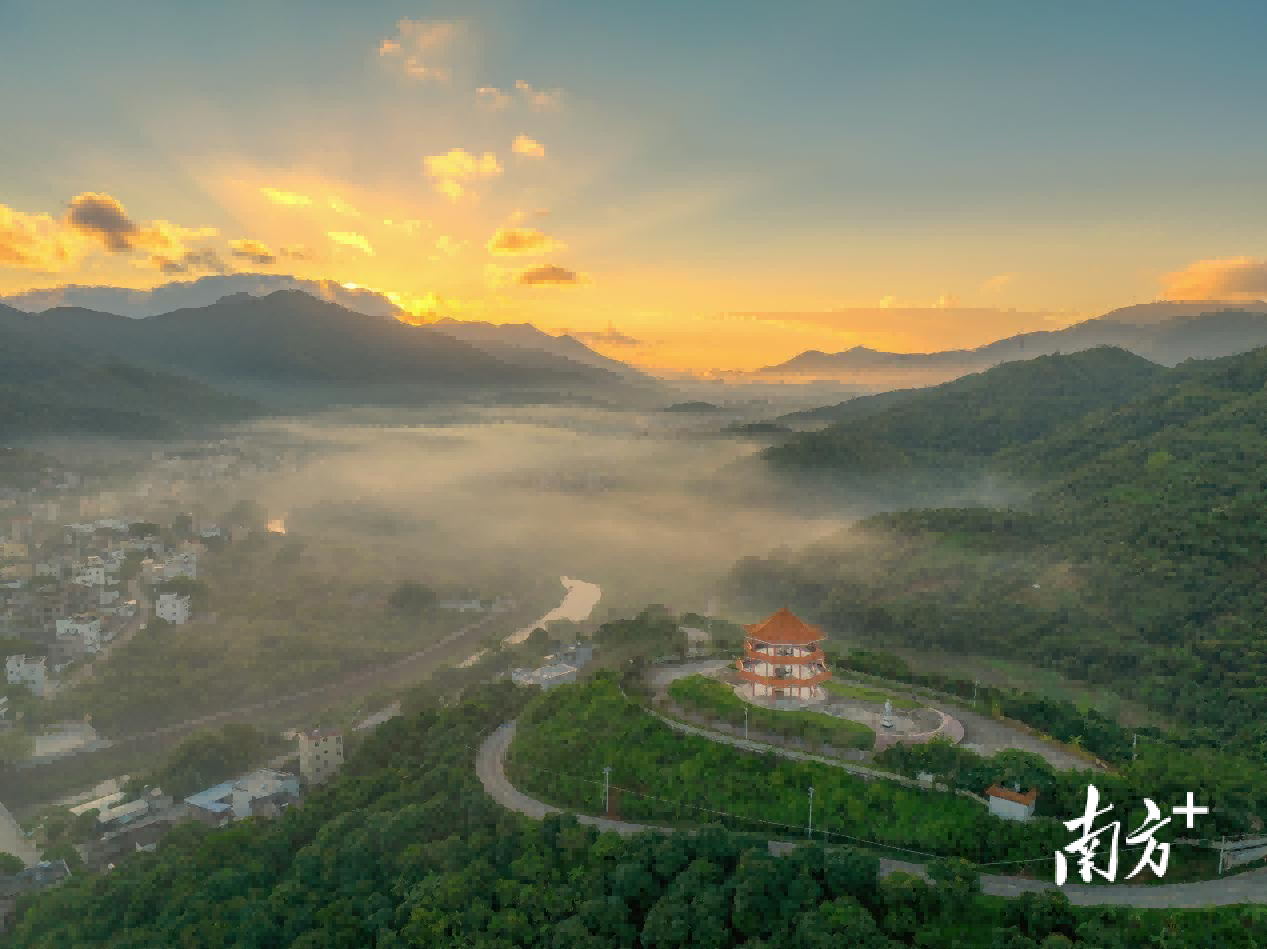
[[713, 187]]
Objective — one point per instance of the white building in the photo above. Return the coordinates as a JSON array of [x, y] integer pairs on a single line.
[[1011, 804], [90, 573], [320, 754], [173, 608], [238, 799], [31, 672], [181, 565]]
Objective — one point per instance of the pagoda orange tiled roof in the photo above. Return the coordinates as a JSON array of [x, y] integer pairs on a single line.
[[784, 628]]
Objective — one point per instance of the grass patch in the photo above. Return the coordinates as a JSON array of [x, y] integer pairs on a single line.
[[863, 694], [710, 697]]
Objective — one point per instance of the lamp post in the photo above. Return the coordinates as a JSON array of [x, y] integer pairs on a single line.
[[745, 722], [811, 814], [607, 774]]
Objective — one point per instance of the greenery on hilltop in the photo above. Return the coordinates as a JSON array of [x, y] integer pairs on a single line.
[[1138, 561], [45, 389], [718, 701], [404, 849], [962, 422]]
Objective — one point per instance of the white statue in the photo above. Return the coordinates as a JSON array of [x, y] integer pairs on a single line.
[[887, 721]]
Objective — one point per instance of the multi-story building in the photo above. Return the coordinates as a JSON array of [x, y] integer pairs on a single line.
[[181, 565], [783, 658], [29, 671], [173, 608], [320, 754]]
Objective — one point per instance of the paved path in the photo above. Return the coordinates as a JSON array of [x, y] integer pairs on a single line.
[[1248, 887]]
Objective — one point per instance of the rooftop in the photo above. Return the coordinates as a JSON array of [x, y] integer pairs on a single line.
[[784, 628], [1027, 799]]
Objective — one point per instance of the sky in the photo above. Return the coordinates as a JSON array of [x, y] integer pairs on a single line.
[[686, 185]]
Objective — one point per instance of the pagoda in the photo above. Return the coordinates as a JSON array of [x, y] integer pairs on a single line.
[[783, 658]]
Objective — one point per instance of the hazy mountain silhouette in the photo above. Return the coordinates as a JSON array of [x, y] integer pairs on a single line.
[[288, 343], [48, 386], [1165, 333], [518, 342]]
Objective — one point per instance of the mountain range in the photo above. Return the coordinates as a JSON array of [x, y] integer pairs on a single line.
[[1165, 333], [286, 351]]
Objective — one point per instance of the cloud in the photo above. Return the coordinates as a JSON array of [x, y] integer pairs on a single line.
[[253, 251], [342, 207], [205, 260], [104, 218], [34, 241], [458, 165], [548, 275], [450, 189], [491, 98], [608, 337], [351, 239], [539, 98], [297, 252], [418, 43], [947, 301], [449, 245], [528, 148], [995, 284], [1231, 278], [285, 197], [509, 241]]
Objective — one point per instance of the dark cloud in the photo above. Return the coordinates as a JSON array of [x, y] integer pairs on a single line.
[[192, 261], [253, 251], [103, 217], [548, 275]]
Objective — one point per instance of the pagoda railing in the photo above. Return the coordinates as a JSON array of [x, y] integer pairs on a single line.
[[783, 682], [755, 656]]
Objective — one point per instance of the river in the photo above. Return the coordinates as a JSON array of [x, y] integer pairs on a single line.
[[579, 603]]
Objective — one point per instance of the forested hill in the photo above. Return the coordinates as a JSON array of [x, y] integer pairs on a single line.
[[405, 849], [1139, 562], [51, 388], [969, 418]]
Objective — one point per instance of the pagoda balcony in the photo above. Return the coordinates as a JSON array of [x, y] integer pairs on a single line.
[[754, 655], [784, 682]]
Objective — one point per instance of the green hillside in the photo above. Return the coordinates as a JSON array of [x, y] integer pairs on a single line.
[[1138, 563], [971, 418], [405, 849], [51, 389]]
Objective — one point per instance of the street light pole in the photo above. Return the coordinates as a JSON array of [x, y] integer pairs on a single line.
[[811, 813], [607, 774], [745, 722]]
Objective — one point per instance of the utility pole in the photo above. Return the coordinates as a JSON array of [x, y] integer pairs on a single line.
[[607, 775], [811, 813], [974, 693], [1134, 742], [1224, 844], [745, 722]]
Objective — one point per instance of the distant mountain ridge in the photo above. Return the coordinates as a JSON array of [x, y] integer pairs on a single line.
[[515, 340], [1208, 334], [292, 350]]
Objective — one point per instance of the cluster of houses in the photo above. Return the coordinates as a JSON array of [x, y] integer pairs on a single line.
[[66, 595], [559, 669]]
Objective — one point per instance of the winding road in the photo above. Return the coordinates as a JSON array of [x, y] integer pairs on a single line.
[[1249, 887]]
